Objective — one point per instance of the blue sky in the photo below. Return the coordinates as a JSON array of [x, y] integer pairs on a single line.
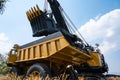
[[97, 20]]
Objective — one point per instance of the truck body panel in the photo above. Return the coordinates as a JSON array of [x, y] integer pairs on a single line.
[[56, 49]]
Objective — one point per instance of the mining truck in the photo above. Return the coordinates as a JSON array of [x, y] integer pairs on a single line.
[[58, 51]]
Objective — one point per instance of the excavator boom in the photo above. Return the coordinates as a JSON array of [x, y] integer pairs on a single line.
[[58, 51]]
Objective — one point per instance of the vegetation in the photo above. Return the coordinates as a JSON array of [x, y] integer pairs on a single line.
[[2, 5], [3, 66], [62, 77], [13, 77]]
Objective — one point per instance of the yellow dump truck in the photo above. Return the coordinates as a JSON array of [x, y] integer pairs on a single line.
[[58, 52]]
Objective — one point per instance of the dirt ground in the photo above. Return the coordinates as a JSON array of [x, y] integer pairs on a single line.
[[2, 77]]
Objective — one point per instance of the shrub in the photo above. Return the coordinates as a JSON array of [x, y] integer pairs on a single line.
[[3, 66]]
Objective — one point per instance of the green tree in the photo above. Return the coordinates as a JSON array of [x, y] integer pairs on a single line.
[[3, 66], [2, 5]]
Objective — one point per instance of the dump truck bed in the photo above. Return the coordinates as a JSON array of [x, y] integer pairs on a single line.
[[54, 48]]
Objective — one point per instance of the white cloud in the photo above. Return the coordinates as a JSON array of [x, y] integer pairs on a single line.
[[5, 43], [105, 30], [110, 33], [3, 37], [107, 46]]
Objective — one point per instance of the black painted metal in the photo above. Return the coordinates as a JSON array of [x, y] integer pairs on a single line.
[[55, 6], [43, 25]]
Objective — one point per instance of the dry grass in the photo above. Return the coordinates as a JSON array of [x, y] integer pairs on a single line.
[[62, 77], [7, 77], [113, 78], [3, 77]]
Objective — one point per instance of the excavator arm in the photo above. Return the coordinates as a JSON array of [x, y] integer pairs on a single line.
[[44, 24], [55, 6]]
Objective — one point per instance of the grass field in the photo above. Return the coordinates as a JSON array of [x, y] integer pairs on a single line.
[[3, 77]]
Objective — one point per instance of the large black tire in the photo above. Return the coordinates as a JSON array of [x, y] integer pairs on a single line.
[[14, 70], [41, 68]]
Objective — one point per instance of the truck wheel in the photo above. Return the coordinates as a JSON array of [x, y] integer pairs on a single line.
[[13, 73], [37, 71]]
